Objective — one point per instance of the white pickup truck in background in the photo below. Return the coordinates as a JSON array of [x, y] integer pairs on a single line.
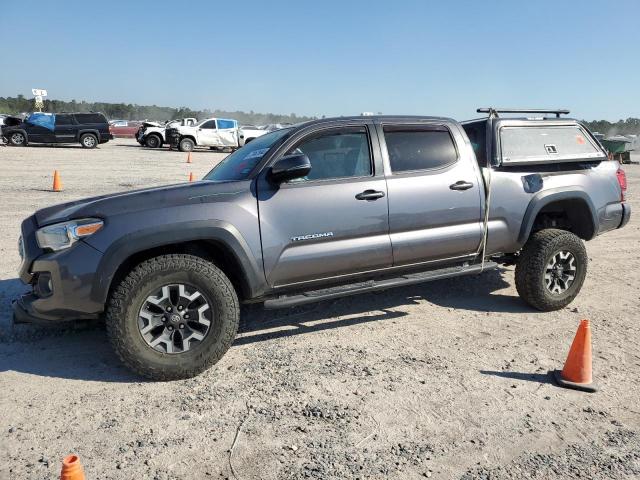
[[152, 134], [213, 133]]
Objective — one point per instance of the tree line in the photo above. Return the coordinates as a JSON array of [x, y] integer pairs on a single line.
[[128, 111], [630, 126]]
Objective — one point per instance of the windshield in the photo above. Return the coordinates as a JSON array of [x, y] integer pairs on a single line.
[[239, 164]]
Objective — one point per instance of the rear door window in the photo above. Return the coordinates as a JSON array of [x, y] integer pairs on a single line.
[[64, 120], [413, 148], [546, 144], [226, 124]]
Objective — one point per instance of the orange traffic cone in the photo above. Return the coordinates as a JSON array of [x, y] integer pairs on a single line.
[[189, 158], [577, 373], [191, 177], [57, 183], [71, 468]]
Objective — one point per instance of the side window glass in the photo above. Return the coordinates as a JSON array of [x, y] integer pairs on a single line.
[[546, 143], [226, 124], [336, 154], [85, 118], [413, 148], [64, 120], [211, 124]]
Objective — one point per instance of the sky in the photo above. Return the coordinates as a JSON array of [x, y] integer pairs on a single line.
[[330, 57]]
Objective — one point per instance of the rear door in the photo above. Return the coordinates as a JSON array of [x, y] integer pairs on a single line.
[[321, 226], [65, 129], [434, 194], [228, 132]]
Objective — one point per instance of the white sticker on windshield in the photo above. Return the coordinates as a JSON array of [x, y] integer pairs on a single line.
[[256, 153]]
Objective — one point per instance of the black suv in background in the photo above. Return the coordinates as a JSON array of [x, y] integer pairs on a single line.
[[89, 129]]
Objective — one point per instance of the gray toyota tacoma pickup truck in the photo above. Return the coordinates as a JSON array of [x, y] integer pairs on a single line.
[[320, 210]]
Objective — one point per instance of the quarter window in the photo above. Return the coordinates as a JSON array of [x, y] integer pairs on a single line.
[[337, 154], [418, 148]]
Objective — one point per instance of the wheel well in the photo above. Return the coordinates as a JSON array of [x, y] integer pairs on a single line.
[[248, 140], [190, 137], [216, 252], [572, 214]]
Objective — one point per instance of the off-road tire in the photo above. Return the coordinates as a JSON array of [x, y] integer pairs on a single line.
[[12, 139], [532, 263], [186, 145], [153, 141], [85, 140], [128, 296]]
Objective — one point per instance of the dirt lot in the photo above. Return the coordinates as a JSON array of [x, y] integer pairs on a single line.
[[443, 380]]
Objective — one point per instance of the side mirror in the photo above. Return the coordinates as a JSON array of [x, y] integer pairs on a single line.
[[290, 167]]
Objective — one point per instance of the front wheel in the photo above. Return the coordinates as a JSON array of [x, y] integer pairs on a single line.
[[551, 269], [17, 139], [186, 145], [172, 317], [153, 141]]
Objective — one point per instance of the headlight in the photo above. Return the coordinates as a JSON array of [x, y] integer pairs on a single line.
[[62, 235]]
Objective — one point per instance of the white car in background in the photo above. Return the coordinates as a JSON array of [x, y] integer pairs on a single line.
[[152, 134], [215, 133]]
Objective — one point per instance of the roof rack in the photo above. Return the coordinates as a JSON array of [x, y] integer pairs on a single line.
[[493, 112]]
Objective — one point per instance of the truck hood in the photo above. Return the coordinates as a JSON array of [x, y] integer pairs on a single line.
[[140, 200]]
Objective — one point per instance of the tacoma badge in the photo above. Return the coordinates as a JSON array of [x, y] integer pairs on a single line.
[[311, 236]]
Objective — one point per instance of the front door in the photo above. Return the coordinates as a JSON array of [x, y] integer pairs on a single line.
[[434, 194], [208, 134], [332, 223], [39, 128]]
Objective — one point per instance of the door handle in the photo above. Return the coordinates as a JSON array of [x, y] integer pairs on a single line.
[[369, 195], [461, 185]]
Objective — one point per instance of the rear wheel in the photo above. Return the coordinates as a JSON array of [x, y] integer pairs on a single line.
[[186, 145], [88, 140], [173, 317], [17, 139], [153, 141], [551, 269]]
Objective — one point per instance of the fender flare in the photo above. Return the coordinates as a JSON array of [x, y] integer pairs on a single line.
[[89, 130], [544, 198], [156, 134], [16, 130], [167, 235], [189, 136]]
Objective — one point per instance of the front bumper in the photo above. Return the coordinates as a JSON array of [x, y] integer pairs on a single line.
[[73, 276]]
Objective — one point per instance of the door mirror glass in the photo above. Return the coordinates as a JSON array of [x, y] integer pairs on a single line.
[[290, 168]]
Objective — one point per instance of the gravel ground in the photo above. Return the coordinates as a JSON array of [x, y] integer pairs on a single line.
[[443, 380]]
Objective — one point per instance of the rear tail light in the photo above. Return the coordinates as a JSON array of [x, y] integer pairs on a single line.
[[622, 180]]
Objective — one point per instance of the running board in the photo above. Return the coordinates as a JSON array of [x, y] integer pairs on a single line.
[[373, 285]]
